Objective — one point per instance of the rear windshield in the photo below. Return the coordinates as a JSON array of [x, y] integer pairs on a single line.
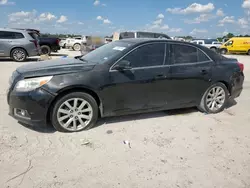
[[127, 35], [34, 35]]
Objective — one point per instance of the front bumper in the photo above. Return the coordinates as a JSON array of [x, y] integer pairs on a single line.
[[36, 103]]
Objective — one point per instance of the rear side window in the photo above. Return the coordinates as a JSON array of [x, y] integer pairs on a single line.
[[145, 35], [184, 54], [127, 35], [147, 55], [18, 35]]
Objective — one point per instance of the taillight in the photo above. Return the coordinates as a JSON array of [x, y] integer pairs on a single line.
[[35, 42], [241, 66], [57, 41]]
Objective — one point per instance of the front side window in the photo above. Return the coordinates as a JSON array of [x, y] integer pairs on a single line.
[[147, 55], [229, 43], [184, 54]]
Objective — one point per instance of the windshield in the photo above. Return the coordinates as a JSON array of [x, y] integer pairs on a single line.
[[105, 52]]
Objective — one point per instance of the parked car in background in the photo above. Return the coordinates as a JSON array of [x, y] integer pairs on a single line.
[[212, 44], [62, 42], [75, 43], [123, 77], [138, 34], [18, 44], [47, 44], [107, 40], [236, 45]]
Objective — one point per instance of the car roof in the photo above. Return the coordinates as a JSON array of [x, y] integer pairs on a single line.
[[138, 41], [11, 30]]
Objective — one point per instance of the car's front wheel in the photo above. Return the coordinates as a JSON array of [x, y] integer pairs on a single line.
[[75, 112], [214, 99], [223, 51]]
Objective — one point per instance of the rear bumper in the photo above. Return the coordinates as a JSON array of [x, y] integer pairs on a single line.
[[237, 84]]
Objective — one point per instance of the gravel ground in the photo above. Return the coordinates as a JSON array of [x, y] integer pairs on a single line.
[[173, 149]]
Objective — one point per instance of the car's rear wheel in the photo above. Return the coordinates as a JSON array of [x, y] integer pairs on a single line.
[[214, 99], [248, 52], [77, 47], [75, 112], [19, 55], [223, 51], [45, 50]]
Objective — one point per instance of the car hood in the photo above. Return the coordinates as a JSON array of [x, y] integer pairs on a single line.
[[54, 67]]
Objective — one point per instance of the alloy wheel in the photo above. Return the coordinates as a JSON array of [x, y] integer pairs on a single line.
[[19, 55], [216, 98], [77, 47], [75, 114]]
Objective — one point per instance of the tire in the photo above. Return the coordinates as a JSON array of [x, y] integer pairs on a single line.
[[45, 50], [223, 51], [18, 55], [77, 47], [213, 49], [73, 115], [204, 104], [248, 52]]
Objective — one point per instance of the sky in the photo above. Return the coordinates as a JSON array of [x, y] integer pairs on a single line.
[[199, 18]]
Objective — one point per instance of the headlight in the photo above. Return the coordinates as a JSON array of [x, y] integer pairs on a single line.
[[32, 83]]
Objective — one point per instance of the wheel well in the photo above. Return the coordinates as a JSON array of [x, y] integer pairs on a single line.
[[213, 47], [46, 45], [227, 85], [19, 48], [67, 91], [77, 43]]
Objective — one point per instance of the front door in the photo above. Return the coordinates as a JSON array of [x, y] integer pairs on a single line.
[[5, 42], [190, 73], [143, 87]]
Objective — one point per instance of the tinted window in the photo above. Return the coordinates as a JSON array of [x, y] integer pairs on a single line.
[[6, 35], [19, 35], [158, 35], [34, 35], [127, 35], [147, 55], [187, 54], [145, 35]]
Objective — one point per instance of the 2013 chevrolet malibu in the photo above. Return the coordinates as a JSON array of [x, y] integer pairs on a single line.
[[123, 77]]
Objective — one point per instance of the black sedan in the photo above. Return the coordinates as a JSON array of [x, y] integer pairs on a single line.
[[123, 77]]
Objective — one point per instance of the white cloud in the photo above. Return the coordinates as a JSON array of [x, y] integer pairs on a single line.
[[193, 8], [106, 21], [158, 22], [220, 12], [99, 18], [227, 19], [80, 23], [97, 2], [195, 31], [62, 19], [175, 30], [6, 2], [201, 18], [104, 5], [46, 17], [160, 16], [246, 4], [243, 23], [165, 27], [22, 17]]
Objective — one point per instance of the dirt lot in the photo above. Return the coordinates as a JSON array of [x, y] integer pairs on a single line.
[[173, 149]]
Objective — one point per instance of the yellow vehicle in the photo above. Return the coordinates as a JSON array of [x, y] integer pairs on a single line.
[[236, 45]]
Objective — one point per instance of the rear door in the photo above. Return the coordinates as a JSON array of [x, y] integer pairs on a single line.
[[6, 40], [190, 72]]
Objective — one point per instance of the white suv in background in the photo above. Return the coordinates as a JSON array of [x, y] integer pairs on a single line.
[[75, 43]]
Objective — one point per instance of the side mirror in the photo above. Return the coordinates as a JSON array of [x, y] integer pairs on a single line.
[[123, 65]]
